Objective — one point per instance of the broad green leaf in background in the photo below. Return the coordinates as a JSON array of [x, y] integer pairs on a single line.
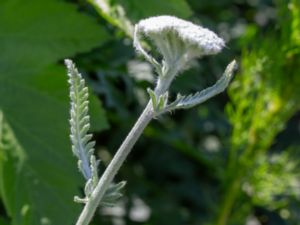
[[53, 82], [124, 13], [3, 222], [38, 33], [38, 174], [135, 10]]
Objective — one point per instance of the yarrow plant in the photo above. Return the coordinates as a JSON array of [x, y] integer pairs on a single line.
[[178, 42]]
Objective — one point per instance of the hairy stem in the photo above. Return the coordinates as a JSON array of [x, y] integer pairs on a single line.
[[114, 166]]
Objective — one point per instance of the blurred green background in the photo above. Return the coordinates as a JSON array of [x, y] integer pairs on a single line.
[[233, 160]]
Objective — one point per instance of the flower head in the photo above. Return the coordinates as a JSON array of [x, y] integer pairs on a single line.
[[178, 39]]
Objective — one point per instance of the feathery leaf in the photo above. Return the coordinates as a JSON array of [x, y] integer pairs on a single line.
[[80, 121], [82, 146], [185, 102]]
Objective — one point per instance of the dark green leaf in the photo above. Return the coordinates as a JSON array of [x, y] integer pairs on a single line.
[[38, 33], [39, 177], [137, 11]]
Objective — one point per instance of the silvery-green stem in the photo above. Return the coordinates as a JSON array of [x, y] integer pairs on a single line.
[[114, 166], [164, 82]]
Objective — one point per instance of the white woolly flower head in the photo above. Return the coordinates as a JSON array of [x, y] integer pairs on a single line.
[[178, 39]]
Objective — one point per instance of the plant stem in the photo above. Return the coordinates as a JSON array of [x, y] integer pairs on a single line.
[[230, 197], [114, 166]]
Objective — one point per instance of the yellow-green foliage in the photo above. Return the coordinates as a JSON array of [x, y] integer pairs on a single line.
[[263, 97]]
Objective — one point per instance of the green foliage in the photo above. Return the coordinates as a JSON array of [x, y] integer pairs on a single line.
[[37, 178], [274, 179], [115, 12], [48, 31], [155, 7], [42, 138], [258, 113], [3, 222]]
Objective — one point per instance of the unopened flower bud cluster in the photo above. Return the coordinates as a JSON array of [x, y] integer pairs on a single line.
[[179, 41]]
